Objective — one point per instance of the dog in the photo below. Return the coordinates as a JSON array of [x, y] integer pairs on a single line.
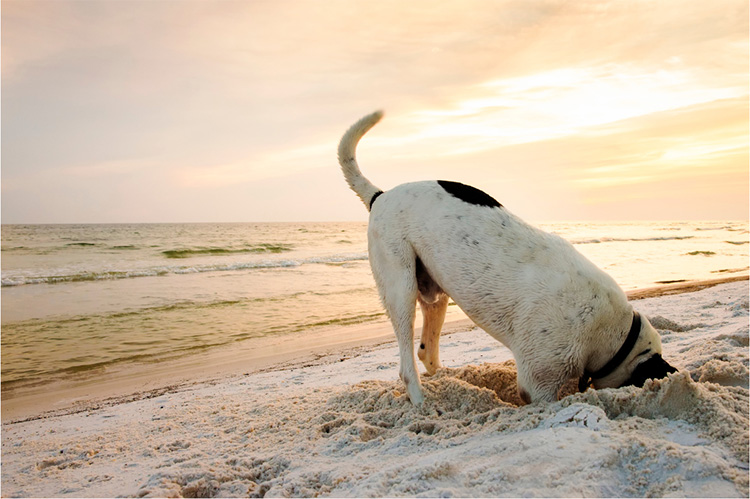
[[560, 315]]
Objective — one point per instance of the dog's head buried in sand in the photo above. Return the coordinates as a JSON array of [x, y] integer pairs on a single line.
[[560, 315]]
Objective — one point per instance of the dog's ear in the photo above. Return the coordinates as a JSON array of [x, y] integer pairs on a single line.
[[653, 368]]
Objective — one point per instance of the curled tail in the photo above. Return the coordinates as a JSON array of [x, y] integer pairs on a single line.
[[366, 191]]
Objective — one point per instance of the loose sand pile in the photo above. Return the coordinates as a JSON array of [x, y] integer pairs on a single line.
[[347, 428]]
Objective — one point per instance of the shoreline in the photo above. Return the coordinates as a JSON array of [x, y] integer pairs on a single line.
[[325, 346]]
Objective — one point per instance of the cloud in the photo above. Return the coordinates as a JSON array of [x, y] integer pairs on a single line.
[[215, 93], [552, 104]]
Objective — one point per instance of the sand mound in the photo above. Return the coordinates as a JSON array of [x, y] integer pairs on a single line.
[[469, 400], [456, 400], [500, 378], [721, 412], [488, 392]]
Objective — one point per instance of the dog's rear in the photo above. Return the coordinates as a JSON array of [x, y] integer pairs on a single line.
[[402, 294], [366, 191]]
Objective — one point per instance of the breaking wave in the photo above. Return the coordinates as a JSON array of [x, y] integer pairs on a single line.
[[19, 280], [202, 251]]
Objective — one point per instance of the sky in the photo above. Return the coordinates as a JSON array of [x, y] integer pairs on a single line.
[[120, 111]]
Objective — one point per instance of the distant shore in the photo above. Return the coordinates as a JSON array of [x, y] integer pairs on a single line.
[[255, 355]]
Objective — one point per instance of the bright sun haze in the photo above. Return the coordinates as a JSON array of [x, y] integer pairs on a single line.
[[220, 111]]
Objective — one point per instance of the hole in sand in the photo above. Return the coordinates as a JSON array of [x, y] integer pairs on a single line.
[[501, 379]]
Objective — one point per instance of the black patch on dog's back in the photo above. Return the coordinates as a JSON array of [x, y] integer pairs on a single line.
[[469, 194]]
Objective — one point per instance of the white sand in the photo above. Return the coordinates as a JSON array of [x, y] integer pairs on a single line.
[[346, 429]]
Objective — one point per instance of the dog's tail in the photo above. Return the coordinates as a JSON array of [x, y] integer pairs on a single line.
[[365, 189]]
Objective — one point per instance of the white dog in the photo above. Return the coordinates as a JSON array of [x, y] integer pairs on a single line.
[[560, 315]]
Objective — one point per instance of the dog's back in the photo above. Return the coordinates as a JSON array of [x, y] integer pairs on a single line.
[[498, 269]]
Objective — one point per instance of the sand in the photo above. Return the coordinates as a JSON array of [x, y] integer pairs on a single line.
[[342, 426]]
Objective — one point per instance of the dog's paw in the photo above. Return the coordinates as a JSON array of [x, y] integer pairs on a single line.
[[416, 396], [418, 400]]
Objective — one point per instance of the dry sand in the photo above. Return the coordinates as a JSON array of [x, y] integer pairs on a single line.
[[346, 428]]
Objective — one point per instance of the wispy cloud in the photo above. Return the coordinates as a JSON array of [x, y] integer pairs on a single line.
[[555, 104], [214, 95]]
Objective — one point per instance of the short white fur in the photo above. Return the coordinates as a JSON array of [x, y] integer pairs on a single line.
[[533, 291]]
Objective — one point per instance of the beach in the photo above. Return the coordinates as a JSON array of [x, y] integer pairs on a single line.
[[336, 422], [199, 287]]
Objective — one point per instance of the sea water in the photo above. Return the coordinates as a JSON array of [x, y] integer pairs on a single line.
[[77, 298]]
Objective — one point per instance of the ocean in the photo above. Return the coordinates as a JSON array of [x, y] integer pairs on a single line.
[[77, 299]]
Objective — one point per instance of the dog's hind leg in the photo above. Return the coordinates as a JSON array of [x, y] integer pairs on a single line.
[[393, 269], [433, 316], [433, 302], [400, 302]]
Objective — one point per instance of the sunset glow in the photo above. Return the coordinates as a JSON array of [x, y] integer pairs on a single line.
[[231, 111]]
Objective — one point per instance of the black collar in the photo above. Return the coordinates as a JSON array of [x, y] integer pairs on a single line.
[[620, 356]]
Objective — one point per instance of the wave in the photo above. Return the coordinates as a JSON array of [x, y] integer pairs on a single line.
[[48, 250], [263, 248], [20, 280], [80, 277], [599, 240], [202, 251]]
